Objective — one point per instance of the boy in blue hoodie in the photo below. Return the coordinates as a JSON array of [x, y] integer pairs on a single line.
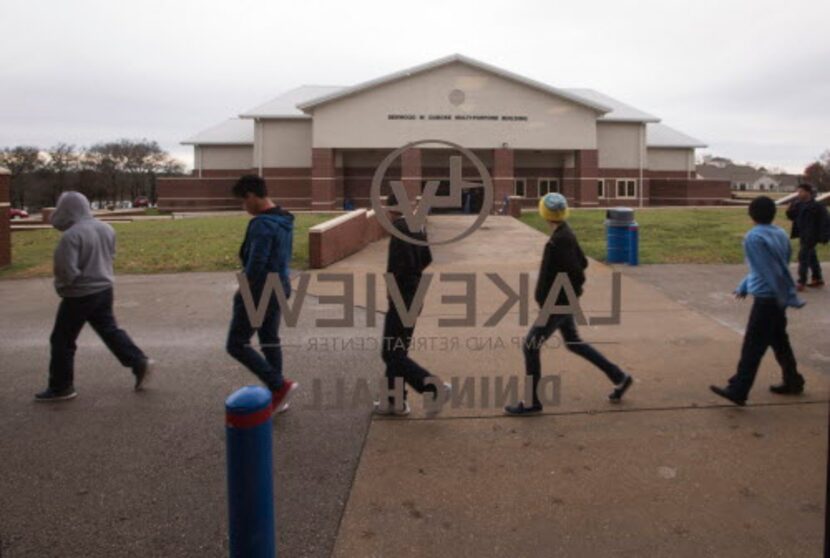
[[767, 249], [266, 249]]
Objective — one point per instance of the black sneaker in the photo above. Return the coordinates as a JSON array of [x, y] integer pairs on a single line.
[[620, 389], [50, 395], [520, 409], [143, 372], [787, 389], [726, 394]]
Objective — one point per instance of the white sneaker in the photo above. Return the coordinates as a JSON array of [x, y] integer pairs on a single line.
[[391, 411], [432, 410], [143, 371]]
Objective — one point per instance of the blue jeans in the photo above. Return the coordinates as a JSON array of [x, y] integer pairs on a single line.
[[269, 368], [808, 259], [567, 327]]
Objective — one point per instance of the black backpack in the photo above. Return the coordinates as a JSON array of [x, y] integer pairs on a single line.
[[824, 226]]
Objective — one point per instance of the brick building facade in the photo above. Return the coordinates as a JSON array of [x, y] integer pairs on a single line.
[[318, 146]]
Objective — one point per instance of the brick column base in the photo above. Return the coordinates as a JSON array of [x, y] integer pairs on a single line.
[[411, 173], [324, 182], [503, 179], [5, 225], [586, 170]]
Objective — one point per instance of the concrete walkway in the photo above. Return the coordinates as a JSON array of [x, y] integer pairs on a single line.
[[672, 471]]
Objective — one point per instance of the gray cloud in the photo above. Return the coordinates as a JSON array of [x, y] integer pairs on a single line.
[[743, 75]]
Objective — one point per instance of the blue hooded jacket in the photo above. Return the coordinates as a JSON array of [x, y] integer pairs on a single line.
[[767, 249], [267, 248]]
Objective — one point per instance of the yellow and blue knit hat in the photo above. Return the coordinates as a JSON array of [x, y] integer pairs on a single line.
[[554, 207]]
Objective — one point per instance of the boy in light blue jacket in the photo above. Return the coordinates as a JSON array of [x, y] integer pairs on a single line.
[[767, 249]]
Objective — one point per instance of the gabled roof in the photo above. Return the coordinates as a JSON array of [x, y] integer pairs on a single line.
[[285, 105], [732, 172], [345, 92], [620, 112], [233, 131], [660, 135]]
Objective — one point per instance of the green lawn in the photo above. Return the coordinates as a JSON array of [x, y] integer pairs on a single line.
[[670, 235], [193, 244]]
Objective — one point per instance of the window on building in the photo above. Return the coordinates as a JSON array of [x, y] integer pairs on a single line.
[[600, 188], [520, 187], [626, 188], [548, 186]]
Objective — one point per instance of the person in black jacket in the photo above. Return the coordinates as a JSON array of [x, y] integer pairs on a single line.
[[562, 255], [807, 215], [406, 262]]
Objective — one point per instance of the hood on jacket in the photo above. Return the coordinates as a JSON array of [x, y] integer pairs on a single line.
[[71, 208], [278, 216]]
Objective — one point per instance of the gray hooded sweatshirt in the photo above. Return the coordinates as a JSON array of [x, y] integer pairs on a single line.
[[83, 258]]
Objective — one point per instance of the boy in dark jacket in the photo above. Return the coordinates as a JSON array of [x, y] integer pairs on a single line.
[[807, 216], [767, 250], [562, 255], [266, 249], [84, 280], [406, 262]]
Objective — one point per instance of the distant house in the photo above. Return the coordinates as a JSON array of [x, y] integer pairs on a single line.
[[746, 178]]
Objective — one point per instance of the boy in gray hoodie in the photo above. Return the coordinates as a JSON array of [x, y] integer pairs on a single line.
[[84, 280]]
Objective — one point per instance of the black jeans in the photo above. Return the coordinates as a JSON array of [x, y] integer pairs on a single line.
[[395, 350], [767, 327], [808, 259], [269, 368], [73, 313], [567, 327]]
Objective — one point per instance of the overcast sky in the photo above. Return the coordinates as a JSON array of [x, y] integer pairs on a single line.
[[748, 77]]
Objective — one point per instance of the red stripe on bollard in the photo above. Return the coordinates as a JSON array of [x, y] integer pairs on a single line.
[[248, 421]]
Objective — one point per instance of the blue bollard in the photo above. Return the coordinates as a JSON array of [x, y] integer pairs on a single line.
[[634, 244], [250, 473]]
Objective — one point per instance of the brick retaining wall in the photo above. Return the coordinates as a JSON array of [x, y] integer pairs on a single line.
[[342, 236]]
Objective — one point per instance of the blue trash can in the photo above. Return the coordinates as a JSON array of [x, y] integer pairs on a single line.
[[621, 233]]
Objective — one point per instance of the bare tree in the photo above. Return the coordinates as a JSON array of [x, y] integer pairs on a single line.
[[63, 161], [22, 161], [107, 172], [818, 172]]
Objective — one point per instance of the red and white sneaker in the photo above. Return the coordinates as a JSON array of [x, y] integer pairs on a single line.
[[280, 399]]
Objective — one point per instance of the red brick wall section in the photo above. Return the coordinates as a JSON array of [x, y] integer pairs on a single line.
[[514, 206], [664, 191], [342, 236], [5, 228], [224, 173], [503, 164], [214, 194]]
